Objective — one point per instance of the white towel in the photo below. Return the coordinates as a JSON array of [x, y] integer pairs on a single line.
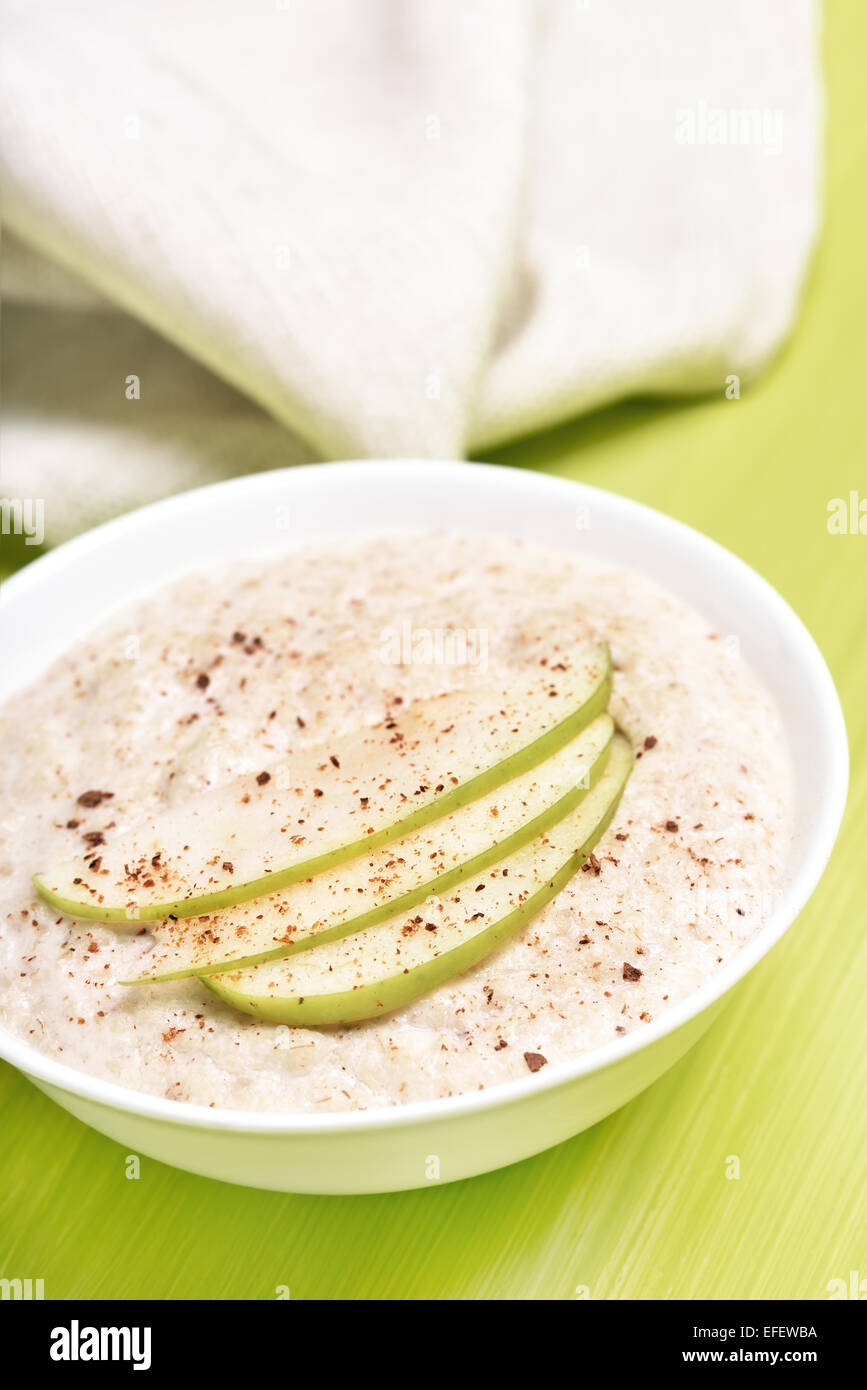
[[396, 227]]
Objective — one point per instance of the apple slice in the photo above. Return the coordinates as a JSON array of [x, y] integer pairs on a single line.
[[392, 879], [331, 802], [387, 966]]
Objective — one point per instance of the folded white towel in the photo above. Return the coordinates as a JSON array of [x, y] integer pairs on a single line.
[[397, 226]]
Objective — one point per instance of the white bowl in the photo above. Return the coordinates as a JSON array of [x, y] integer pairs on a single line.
[[52, 603]]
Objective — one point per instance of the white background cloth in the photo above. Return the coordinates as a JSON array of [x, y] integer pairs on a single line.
[[366, 227]]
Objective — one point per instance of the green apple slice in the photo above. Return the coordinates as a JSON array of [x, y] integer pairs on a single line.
[[386, 967], [328, 803], [392, 879]]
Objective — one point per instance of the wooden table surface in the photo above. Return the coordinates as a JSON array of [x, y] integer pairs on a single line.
[[641, 1205]]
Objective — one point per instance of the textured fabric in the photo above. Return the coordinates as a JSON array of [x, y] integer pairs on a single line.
[[400, 227]]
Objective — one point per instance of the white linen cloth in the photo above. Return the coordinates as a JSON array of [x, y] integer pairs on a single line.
[[383, 227]]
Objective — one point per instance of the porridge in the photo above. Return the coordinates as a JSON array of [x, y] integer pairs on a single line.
[[218, 680]]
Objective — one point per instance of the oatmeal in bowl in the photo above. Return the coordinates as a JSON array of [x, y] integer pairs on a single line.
[[382, 824]]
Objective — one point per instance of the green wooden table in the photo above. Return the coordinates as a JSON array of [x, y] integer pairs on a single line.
[[640, 1206]]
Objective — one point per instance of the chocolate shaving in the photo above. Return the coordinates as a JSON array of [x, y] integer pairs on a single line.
[[91, 799]]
